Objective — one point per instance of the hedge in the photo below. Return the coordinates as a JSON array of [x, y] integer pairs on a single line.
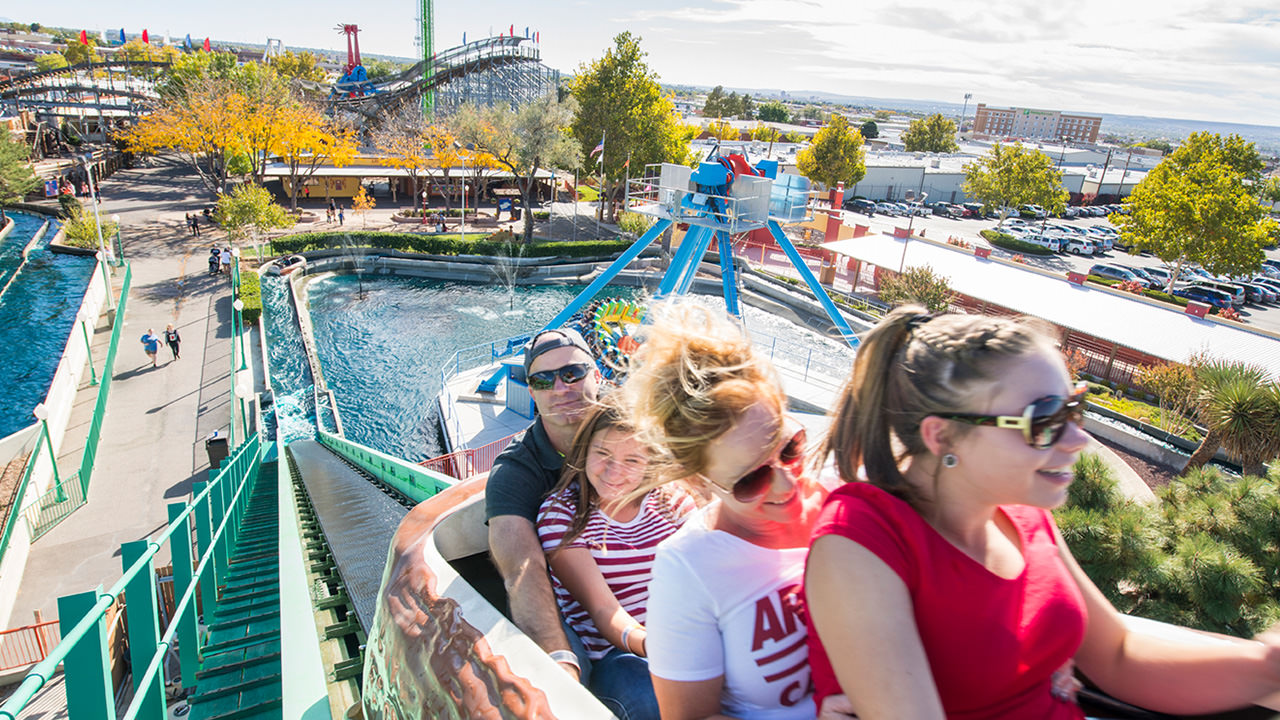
[[251, 295], [442, 244], [1008, 242]]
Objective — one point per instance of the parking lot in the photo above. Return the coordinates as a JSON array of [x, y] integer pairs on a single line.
[[940, 228]]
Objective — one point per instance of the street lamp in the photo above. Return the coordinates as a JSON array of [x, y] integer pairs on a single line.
[[119, 245], [239, 308], [42, 414], [910, 223], [93, 196], [83, 318], [101, 257]]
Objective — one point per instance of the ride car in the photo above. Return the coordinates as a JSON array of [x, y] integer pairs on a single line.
[[1208, 296], [1115, 272]]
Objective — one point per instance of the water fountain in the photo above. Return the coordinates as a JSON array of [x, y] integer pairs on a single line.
[[505, 265]]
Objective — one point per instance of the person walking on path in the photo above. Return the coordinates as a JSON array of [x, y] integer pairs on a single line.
[[151, 344], [195, 224], [226, 261], [341, 217], [331, 211], [172, 338], [214, 261]]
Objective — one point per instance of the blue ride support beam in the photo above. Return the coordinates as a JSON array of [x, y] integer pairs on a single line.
[[728, 273], [609, 273], [818, 291], [691, 271], [681, 261]]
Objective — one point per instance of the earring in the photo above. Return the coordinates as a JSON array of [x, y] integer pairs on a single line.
[[950, 460]]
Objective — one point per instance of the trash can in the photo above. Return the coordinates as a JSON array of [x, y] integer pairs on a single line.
[[827, 273], [515, 213], [216, 446]]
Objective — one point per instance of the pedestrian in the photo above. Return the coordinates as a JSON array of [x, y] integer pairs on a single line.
[[328, 214], [151, 344], [340, 215], [306, 192], [215, 262], [333, 210], [172, 338], [226, 261], [195, 224], [186, 218]]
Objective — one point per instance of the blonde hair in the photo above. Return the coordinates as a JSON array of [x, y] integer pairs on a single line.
[[694, 374], [910, 366]]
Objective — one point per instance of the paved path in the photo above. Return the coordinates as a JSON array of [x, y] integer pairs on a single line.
[[152, 445]]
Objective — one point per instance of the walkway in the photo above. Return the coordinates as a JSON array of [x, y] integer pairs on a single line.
[[152, 445]]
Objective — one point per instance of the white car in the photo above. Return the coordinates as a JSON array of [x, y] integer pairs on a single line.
[[1045, 241], [1105, 239], [1079, 246]]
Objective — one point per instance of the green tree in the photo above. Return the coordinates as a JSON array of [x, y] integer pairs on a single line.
[[919, 285], [716, 103], [1201, 205], [746, 107], [1163, 146], [77, 53], [1011, 175], [249, 210], [773, 111], [378, 69], [16, 175], [794, 136], [620, 100], [932, 134], [52, 61], [870, 130], [883, 115], [811, 112], [301, 66], [522, 142], [1239, 405], [81, 227], [835, 155]]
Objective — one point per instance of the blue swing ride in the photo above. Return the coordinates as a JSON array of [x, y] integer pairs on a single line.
[[723, 198]]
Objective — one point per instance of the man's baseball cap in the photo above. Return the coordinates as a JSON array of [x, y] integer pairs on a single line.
[[549, 340]]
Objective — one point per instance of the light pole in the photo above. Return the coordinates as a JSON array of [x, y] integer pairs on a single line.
[[910, 224], [93, 197], [106, 277], [83, 317], [42, 414], [119, 245], [238, 305], [963, 112]]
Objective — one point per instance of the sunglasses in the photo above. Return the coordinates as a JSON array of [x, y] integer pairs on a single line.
[[569, 374], [751, 486], [1042, 422]]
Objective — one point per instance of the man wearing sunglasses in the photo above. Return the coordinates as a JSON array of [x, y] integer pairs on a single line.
[[563, 380]]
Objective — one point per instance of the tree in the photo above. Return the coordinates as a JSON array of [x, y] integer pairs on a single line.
[[201, 125], [17, 178], [746, 107], [522, 142], [918, 285], [249, 210], [81, 227], [1163, 146], [1201, 205], [308, 140], [716, 103], [883, 115], [362, 203], [764, 133], [77, 52], [620, 100], [835, 155], [870, 130], [300, 66], [793, 136], [378, 69], [52, 61], [932, 134], [405, 137], [1239, 405], [722, 130], [773, 111], [1174, 385], [1011, 175]]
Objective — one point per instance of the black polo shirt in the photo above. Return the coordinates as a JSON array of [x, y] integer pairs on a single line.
[[523, 475]]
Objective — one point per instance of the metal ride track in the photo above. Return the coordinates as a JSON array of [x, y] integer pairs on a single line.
[[35, 77]]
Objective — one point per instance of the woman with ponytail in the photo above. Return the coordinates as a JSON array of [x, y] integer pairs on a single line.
[[940, 587]]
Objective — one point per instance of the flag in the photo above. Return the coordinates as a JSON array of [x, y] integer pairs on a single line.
[[537, 36], [526, 32], [464, 38], [187, 43], [513, 30], [206, 44], [599, 148], [122, 40], [627, 164], [84, 38], [146, 40]]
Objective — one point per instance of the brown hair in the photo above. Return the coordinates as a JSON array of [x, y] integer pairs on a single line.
[[694, 374], [910, 366]]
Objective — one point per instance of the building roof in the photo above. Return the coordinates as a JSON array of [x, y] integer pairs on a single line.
[[279, 169], [1138, 323]]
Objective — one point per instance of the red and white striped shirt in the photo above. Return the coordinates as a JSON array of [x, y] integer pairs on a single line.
[[624, 552]]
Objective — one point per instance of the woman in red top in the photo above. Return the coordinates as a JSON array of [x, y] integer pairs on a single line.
[[941, 587]]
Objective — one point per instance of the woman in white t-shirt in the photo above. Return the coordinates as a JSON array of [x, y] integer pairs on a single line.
[[726, 636], [600, 534]]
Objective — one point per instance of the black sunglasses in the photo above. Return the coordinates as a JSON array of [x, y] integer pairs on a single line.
[[569, 374], [751, 486], [1042, 422]]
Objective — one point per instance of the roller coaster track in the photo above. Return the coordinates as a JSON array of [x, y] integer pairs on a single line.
[[21, 90], [35, 79], [450, 65]]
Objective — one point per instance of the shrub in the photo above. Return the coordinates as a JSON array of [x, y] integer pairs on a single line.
[[448, 244], [1008, 242], [541, 214], [635, 223], [251, 295], [1230, 314]]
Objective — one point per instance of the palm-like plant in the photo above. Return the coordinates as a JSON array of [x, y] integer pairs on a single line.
[[1239, 405]]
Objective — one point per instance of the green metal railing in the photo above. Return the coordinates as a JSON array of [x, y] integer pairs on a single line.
[[213, 515], [61, 500], [414, 482]]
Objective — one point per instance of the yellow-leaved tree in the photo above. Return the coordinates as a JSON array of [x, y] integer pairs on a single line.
[[308, 140], [362, 203]]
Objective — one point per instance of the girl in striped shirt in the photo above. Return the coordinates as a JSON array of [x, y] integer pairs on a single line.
[[599, 535]]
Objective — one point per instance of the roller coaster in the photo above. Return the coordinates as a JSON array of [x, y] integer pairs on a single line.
[[76, 90]]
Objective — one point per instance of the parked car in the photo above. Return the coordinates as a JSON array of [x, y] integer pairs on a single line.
[[1256, 293], [1079, 246], [972, 210], [1160, 275], [1142, 273], [948, 210], [1270, 282], [1235, 291], [1045, 241], [1106, 239], [1031, 211], [861, 205], [1115, 272], [1208, 296], [886, 208]]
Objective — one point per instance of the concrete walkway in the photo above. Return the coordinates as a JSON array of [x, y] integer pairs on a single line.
[[152, 445]]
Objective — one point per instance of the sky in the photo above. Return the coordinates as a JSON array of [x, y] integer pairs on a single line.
[[1197, 59]]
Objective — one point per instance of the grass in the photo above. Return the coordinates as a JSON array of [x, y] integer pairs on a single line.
[[1148, 413], [587, 193], [251, 295]]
